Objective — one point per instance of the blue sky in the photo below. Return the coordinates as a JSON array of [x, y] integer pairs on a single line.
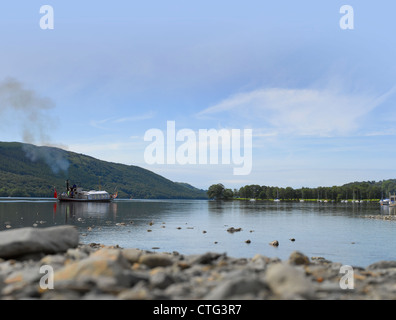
[[320, 100]]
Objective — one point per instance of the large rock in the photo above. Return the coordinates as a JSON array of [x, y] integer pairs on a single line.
[[105, 267], [242, 286], [18, 242], [288, 282], [153, 260], [382, 265]]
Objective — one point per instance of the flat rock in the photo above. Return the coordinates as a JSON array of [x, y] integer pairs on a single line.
[[382, 265], [206, 258], [288, 282], [153, 260], [238, 286], [18, 242], [132, 255], [92, 268]]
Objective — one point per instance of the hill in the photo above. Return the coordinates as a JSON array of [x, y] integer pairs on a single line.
[[31, 171]]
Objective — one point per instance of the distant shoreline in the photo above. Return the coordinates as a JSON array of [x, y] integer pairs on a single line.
[[310, 200], [352, 201]]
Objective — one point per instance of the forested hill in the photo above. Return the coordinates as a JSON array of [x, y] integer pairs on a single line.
[[28, 170]]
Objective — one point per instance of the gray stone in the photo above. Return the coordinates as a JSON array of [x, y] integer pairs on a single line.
[[29, 274], [76, 254], [1, 283], [178, 291], [104, 263], [206, 258], [297, 258], [161, 280], [237, 287], [55, 261], [259, 262], [18, 242], [95, 296], [139, 292], [153, 260], [382, 265], [61, 295], [132, 255], [274, 243], [232, 230], [288, 282]]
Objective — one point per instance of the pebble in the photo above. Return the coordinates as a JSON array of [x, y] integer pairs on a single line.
[[99, 272], [298, 258], [274, 243]]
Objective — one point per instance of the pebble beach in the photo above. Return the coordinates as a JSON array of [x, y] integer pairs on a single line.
[[52, 264]]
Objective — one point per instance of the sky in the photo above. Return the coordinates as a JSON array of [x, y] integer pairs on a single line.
[[318, 99]]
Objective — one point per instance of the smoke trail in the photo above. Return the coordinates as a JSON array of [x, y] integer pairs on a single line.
[[30, 111], [54, 157]]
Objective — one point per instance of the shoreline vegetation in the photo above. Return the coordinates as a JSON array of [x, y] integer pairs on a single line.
[[76, 271], [366, 191], [309, 200]]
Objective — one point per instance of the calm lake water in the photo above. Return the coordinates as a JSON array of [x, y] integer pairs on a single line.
[[336, 231]]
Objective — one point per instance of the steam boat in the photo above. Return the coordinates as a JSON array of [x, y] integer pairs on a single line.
[[77, 194]]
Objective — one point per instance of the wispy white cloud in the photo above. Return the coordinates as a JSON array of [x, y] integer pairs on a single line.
[[319, 112], [383, 132], [141, 117], [99, 124], [125, 151], [105, 124]]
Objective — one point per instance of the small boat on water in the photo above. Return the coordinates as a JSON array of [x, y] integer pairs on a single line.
[[384, 202], [391, 201], [77, 194], [277, 196]]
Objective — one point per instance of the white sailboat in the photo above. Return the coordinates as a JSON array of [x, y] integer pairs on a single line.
[[277, 196]]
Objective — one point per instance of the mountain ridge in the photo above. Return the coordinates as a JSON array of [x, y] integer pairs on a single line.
[[33, 171]]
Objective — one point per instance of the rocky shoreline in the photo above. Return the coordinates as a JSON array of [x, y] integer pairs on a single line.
[[51, 264]]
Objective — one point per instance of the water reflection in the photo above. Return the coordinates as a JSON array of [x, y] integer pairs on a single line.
[[217, 206], [75, 210], [387, 210], [179, 225]]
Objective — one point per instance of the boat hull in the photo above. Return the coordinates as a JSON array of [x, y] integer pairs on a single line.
[[83, 200]]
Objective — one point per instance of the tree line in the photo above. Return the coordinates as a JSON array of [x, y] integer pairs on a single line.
[[366, 190]]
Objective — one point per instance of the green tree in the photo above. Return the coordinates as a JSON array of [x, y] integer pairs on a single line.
[[216, 191], [228, 194]]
